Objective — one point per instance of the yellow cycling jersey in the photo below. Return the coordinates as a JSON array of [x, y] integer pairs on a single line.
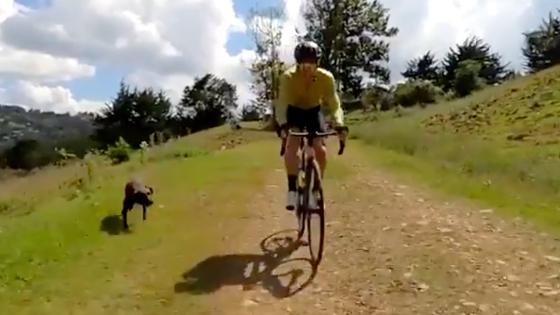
[[322, 91]]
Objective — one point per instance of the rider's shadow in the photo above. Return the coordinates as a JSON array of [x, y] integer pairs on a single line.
[[248, 270]]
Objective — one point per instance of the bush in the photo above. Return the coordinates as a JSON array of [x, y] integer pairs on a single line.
[[377, 98], [119, 152], [91, 161], [3, 161], [417, 92], [252, 112], [64, 156], [386, 102], [467, 79], [28, 154]]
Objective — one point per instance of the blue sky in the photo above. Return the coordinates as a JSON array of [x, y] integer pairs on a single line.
[[64, 56]]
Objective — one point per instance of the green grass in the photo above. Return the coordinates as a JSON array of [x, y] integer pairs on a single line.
[[509, 199], [462, 156], [68, 253], [527, 107]]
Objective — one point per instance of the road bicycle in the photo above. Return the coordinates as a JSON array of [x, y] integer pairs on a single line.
[[310, 182]]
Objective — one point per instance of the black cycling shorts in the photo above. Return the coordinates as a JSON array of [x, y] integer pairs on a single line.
[[311, 119]]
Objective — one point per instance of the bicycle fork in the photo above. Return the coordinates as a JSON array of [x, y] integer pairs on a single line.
[[307, 157]]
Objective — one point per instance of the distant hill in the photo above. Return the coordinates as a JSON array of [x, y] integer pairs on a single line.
[[17, 123]]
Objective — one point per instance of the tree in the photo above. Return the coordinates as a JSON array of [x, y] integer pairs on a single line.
[[350, 34], [542, 46], [491, 68], [134, 115], [266, 31], [423, 68], [466, 77], [210, 102]]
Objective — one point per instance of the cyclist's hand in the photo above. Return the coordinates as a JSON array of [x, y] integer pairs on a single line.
[[282, 131], [342, 132]]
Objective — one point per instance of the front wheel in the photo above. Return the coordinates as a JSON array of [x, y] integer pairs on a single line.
[[315, 217], [302, 198]]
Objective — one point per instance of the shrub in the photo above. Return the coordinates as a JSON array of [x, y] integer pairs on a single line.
[[467, 79], [143, 151], [28, 154], [417, 92], [119, 152], [91, 160]]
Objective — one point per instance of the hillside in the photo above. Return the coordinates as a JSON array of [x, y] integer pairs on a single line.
[[17, 123], [527, 110], [499, 145]]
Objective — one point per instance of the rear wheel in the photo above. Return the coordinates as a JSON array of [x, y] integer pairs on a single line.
[[315, 217]]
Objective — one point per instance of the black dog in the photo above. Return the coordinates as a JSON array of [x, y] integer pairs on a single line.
[[135, 192]]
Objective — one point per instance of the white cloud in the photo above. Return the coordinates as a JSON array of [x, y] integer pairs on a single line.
[[294, 20], [232, 68], [167, 37], [18, 63], [41, 67], [168, 43], [31, 68], [437, 25], [57, 99], [7, 9], [37, 66]]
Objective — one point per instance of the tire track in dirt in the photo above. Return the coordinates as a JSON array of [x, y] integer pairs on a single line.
[[390, 249]]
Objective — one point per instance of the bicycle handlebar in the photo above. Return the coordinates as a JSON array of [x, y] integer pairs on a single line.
[[341, 144]]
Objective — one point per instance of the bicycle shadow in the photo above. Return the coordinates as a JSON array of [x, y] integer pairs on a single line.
[[249, 270]]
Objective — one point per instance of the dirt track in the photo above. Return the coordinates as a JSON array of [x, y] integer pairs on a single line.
[[390, 249]]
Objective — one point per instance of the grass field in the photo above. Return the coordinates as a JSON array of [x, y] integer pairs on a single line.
[[65, 250]]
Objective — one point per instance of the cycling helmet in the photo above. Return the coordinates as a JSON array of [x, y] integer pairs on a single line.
[[307, 50]]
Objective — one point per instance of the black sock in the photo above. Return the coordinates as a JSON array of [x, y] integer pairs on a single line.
[[292, 180]]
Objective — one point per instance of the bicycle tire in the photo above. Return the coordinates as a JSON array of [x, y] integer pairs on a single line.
[[301, 216], [313, 172], [302, 201]]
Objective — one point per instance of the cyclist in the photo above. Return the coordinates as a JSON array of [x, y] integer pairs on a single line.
[[302, 90]]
